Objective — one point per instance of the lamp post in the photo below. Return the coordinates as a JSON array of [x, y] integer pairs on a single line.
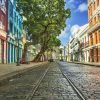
[[17, 39]]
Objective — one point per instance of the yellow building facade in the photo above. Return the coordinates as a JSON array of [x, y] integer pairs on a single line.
[[94, 30]]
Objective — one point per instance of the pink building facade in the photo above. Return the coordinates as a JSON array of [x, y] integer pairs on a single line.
[[3, 31]]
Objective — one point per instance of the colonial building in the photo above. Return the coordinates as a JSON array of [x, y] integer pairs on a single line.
[[78, 45], [94, 30], [3, 30], [30, 51], [84, 43], [14, 33], [74, 45], [68, 52]]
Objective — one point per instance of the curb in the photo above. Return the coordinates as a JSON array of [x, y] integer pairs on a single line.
[[6, 78], [85, 64]]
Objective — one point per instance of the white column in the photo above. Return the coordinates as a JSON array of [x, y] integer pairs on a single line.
[[10, 53], [15, 54], [5, 51]]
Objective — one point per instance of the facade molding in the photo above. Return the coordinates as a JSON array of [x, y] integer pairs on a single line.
[[96, 45]]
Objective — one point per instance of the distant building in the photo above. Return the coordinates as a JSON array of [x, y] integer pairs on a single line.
[[3, 31], [68, 52], [84, 43], [94, 30], [79, 50]]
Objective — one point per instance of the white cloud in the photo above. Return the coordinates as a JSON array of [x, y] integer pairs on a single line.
[[74, 29], [82, 7], [64, 33]]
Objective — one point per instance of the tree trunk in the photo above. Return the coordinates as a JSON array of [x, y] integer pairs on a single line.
[[24, 54], [39, 55]]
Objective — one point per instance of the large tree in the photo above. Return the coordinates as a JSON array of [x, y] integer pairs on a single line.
[[45, 20]]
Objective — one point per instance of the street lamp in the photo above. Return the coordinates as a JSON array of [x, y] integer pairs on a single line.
[[18, 40]]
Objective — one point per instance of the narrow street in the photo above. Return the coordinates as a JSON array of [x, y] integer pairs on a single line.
[[47, 82], [41, 83], [49, 49]]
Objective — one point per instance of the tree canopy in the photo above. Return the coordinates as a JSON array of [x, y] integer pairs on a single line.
[[45, 20]]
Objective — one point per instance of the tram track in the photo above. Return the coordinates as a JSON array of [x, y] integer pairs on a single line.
[[30, 96], [78, 92], [52, 84]]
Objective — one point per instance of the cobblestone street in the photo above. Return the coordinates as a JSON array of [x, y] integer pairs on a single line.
[[53, 86], [86, 78], [49, 49], [47, 82]]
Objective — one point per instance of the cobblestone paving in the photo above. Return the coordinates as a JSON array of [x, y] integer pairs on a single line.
[[86, 78], [54, 87], [19, 87]]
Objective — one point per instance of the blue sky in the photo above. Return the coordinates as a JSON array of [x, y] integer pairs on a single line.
[[79, 17]]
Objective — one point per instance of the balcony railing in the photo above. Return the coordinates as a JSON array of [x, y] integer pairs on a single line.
[[94, 27]]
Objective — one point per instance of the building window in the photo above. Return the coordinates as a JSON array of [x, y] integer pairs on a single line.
[[94, 6], [3, 20], [11, 27], [91, 9], [11, 10], [98, 17], [15, 17], [14, 30], [96, 37], [99, 36], [95, 20], [89, 12], [97, 2], [91, 37], [91, 21]]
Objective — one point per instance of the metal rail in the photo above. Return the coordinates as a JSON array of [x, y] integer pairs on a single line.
[[30, 96], [78, 92]]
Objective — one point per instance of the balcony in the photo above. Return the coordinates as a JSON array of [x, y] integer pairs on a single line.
[[94, 28]]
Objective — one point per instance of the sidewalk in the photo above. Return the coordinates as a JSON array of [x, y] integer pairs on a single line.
[[90, 64], [9, 70]]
